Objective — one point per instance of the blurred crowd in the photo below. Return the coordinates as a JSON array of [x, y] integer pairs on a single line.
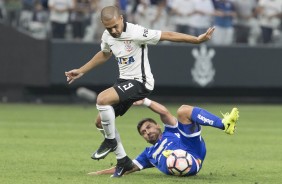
[[237, 21]]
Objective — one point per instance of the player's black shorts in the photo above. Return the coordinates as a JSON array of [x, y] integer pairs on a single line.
[[128, 91]]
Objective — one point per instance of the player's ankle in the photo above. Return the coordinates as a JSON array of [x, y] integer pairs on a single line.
[[123, 160], [111, 141]]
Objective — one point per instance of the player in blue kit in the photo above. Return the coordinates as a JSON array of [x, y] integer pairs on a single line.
[[181, 133]]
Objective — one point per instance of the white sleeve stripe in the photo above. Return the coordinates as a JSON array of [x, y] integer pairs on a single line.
[[183, 133], [190, 135], [138, 164]]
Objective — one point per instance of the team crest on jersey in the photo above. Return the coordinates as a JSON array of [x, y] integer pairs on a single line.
[[127, 45]]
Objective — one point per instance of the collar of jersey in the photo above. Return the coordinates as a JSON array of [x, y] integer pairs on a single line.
[[124, 26]]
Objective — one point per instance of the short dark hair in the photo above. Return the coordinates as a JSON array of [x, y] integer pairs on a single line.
[[110, 12], [143, 121]]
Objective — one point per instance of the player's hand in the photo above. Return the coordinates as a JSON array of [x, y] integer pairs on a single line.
[[73, 75], [139, 102], [207, 35]]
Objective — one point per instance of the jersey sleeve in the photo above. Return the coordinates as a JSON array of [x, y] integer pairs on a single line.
[[146, 36], [142, 160], [104, 45], [171, 128]]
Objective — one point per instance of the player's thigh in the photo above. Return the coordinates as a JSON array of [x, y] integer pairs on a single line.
[[108, 97]]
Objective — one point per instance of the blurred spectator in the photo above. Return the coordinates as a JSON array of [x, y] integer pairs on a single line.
[[170, 17], [2, 11], [223, 20], [201, 20], [269, 12], [122, 4], [26, 13], [59, 16], [40, 14], [13, 8], [182, 11], [95, 30], [80, 17], [151, 14], [235, 20], [28, 5], [44, 4], [38, 26], [133, 12], [245, 19], [158, 13]]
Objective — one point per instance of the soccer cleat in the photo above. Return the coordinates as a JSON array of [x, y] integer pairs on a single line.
[[107, 146], [230, 120], [123, 165]]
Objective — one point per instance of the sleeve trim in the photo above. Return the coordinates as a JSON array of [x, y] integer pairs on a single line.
[[138, 164]]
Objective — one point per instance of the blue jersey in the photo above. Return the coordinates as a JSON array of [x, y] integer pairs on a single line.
[[185, 137], [225, 6]]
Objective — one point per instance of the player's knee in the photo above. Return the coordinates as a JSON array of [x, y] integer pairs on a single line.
[[184, 112], [102, 100]]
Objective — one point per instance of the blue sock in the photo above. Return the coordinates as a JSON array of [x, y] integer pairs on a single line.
[[205, 118]]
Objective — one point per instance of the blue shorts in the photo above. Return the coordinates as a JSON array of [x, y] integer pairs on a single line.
[[192, 142]]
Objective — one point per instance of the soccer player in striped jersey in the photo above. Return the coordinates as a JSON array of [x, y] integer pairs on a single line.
[[183, 132], [128, 43]]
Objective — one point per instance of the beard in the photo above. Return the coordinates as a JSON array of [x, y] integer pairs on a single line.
[[154, 137]]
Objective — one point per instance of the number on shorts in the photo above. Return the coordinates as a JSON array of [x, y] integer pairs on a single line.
[[126, 86]]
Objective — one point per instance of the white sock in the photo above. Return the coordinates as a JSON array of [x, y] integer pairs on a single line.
[[120, 152], [107, 115]]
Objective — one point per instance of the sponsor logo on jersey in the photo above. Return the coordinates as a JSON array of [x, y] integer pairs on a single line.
[[125, 61], [203, 71]]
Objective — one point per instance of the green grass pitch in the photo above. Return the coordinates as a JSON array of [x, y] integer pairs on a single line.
[[42, 144]]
